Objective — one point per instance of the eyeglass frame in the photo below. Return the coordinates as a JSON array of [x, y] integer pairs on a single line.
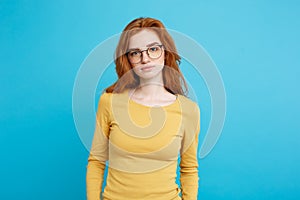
[[147, 50]]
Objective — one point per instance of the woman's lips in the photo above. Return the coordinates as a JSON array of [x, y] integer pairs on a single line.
[[147, 68]]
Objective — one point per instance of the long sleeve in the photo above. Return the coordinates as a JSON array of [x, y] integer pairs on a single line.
[[189, 163], [99, 150]]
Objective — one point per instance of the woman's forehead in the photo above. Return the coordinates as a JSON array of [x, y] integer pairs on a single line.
[[143, 38]]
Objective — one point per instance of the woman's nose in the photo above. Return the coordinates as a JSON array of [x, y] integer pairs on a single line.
[[145, 58]]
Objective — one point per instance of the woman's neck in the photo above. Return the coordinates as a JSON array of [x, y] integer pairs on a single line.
[[150, 88]]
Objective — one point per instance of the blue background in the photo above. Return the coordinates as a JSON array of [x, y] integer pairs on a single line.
[[255, 45]]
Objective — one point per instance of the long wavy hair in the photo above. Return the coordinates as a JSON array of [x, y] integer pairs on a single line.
[[173, 79]]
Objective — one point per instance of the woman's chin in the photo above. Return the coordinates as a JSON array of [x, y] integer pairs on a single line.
[[148, 75]]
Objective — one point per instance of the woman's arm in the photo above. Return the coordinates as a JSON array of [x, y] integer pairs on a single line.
[[188, 161], [99, 151]]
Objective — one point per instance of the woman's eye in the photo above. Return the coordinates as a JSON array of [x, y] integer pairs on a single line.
[[153, 49], [134, 53]]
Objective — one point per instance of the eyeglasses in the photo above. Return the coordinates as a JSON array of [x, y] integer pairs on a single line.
[[154, 52]]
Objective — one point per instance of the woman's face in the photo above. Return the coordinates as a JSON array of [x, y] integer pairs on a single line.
[[146, 54]]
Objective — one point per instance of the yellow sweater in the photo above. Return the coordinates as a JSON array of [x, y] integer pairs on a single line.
[[141, 146]]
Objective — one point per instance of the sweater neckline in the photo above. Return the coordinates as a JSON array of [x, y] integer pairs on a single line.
[[154, 106]]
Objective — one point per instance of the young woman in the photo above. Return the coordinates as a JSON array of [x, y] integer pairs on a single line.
[[145, 125]]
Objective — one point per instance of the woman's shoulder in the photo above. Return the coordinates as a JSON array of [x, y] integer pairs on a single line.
[[187, 102], [109, 98], [105, 98], [105, 94], [189, 107]]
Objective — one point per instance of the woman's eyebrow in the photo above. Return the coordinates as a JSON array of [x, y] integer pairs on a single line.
[[148, 45], [133, 49], [151, 44]]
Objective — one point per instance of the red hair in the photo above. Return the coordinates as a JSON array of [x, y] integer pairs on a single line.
[[172, 77]]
